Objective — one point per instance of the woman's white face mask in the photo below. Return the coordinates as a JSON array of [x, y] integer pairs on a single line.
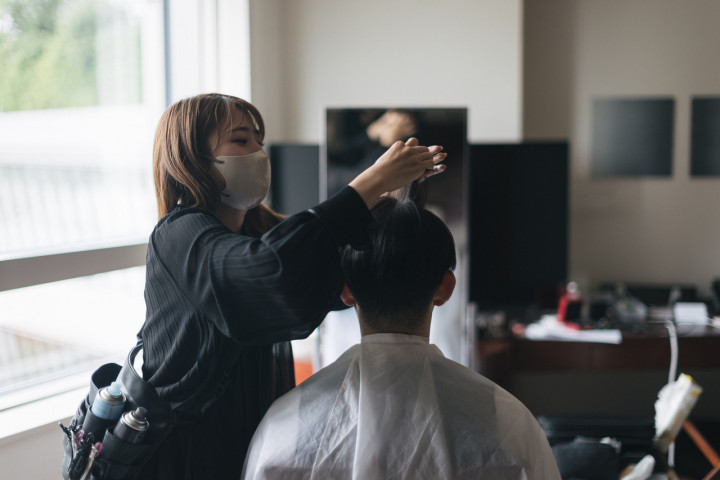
[[247, 179]]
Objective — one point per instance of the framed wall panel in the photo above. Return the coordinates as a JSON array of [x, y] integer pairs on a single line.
[[632, 137], [295, 177], [705, 137]]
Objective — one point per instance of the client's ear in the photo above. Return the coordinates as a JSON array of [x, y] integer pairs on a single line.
[[445, 290], [347, 296]]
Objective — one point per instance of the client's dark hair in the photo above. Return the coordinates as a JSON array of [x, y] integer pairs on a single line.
[[394, 281]]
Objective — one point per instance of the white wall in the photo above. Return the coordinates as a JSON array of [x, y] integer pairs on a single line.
[[309, 54], [633, 230], [31, 440], [36, 453]]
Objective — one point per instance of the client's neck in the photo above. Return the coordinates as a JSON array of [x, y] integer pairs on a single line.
[[422, 330]]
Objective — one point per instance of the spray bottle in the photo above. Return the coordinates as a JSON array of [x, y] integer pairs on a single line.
[[109, 402], [104, 411]]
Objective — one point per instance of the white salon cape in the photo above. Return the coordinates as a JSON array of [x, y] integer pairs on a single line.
[[393, 407]]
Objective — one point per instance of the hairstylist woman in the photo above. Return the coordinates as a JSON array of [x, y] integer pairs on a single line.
[[229, 283]]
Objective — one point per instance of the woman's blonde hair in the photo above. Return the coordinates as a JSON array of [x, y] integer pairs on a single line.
[[182, 156]]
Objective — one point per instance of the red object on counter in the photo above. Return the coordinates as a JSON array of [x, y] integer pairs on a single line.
[[570, 306]]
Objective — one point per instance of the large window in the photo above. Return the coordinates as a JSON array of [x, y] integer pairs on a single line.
[[80, 91], [82, 85]]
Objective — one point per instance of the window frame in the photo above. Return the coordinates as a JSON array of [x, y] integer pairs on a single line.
[[52, 267]]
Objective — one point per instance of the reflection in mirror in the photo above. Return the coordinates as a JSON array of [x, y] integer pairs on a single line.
[[356, 137]]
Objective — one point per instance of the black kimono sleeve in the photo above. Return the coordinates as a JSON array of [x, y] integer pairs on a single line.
[[258, 291]]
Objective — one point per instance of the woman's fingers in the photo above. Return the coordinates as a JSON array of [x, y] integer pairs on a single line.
[[430, 158], [437, 167], [401, 164], [414, 156], [429, 173]]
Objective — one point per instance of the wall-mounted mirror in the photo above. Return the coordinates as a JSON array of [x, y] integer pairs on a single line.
[[354, 139]]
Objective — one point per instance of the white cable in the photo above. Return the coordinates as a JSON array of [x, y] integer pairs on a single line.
[[672, 334], [672, 374]]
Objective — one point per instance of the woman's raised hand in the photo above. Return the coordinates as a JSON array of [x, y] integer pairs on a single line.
[[438, 156], [401, 164]]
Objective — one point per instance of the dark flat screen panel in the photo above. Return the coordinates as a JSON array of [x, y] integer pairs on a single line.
[[518, 229], [295, 177], [705, 137], [632, 137]]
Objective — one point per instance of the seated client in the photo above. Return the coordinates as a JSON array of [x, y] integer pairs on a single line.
[[394, 406]]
